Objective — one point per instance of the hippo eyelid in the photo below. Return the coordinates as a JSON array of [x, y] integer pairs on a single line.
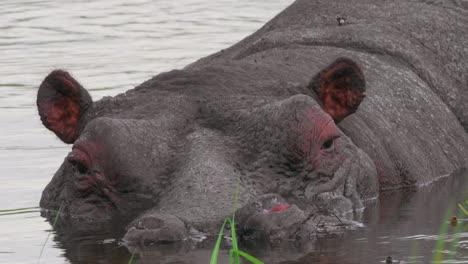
[[79, 165], [324, 131], [80, 159], [328, 144], [324, 128]]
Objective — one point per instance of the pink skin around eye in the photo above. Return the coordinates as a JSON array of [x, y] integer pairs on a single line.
[[329, 131], [80, 156], [320, 129], [85, 153]]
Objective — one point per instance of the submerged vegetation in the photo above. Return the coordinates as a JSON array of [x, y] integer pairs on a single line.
[[465, 211], [57, 215], [20, 211], [442, 254]]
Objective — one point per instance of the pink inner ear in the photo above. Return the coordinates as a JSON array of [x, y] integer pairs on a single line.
[[62, 117], [69, 84], [340, 96], [339, 103], [61, 102]]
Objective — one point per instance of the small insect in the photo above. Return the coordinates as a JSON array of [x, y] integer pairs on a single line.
[[341, 21]]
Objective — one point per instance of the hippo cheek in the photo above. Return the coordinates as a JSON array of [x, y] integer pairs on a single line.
[[326, 174], [336, 193], [330, 176]]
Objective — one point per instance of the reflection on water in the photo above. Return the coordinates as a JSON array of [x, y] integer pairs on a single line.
[[111, 46]]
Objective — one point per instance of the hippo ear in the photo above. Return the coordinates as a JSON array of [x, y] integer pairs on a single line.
[[62, 102], [340, 88]]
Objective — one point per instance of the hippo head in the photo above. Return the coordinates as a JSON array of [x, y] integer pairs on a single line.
[[169, 155]]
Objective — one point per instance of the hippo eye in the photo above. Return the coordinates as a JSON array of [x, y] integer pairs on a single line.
[[328, 145], [78, 165], [80, 160]]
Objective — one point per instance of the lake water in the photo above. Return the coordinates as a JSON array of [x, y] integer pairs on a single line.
[[112, 46]]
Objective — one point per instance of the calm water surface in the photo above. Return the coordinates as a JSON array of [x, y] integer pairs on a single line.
[[112, 46]]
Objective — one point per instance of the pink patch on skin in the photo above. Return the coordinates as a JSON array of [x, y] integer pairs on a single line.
[[323, 128], [99, 176], [279, 207]]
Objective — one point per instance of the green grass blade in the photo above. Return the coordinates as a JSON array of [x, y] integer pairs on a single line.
[[457, 232], [236, 197], [456, 238], [234, 253], [57, 215], [214, 255], [440, 245], [234, 243], [53, 226], [131, 258], [22, 212], [231, 257], [13, 84], [19, 209], [246, 256], [233, 228], [463, 209]]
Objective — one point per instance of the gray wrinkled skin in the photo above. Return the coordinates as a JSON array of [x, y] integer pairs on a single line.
[[175, 147]]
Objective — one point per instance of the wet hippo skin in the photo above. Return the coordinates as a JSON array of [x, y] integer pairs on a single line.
[[306, 116]]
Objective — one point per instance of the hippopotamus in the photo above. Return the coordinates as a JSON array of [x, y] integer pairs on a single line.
[[325, 106]]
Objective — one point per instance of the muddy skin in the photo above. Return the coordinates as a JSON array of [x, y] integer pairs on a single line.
[[308, 117]]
